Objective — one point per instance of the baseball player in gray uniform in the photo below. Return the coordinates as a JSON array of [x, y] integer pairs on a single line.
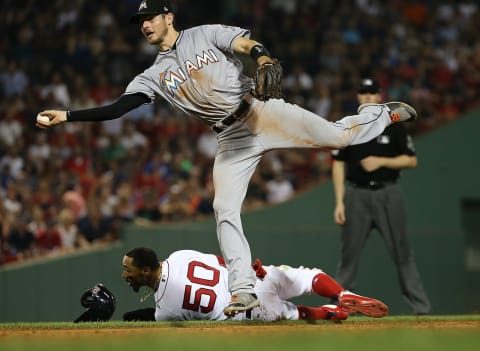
[[197, 71]]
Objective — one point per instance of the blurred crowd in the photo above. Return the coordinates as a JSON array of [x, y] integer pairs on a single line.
[[76, 185]]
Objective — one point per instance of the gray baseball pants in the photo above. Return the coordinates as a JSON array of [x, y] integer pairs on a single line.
[[273, 124]]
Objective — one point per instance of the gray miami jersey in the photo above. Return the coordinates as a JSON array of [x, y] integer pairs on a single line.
[[200, 75]]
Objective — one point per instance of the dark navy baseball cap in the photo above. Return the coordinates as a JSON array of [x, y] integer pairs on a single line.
[[368, 86], [151, 8]]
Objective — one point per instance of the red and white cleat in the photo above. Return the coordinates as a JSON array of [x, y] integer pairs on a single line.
[[335, 313], [367, 306]]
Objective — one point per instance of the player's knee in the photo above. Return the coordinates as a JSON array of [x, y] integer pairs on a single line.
[[222, 207], [342, 142], [225, 213]]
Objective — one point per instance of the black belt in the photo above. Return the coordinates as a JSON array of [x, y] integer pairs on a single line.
[[372, 185], [238, 115]]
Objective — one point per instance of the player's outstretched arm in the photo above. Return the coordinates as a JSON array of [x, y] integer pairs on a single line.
[[124, 104]]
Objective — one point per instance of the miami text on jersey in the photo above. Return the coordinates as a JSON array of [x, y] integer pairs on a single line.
[[171, 81]]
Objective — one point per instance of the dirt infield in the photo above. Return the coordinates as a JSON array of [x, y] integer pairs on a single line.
[[360, 334], [270, 328]]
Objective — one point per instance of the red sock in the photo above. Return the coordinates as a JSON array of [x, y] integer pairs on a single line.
[[311, 313], [326, 286]]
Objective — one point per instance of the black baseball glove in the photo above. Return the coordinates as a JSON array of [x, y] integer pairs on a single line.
[[268, 80]]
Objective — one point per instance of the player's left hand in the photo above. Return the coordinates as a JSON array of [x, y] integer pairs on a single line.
[[268, 81]]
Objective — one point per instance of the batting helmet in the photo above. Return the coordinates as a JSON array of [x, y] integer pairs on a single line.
[[100, 304]]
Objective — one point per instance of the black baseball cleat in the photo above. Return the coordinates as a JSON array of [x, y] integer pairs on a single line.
[[241, 302], [399, 111]]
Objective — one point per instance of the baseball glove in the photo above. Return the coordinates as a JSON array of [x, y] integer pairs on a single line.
[[268, 80]]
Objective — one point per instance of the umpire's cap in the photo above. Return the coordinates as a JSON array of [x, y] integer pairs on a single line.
[[149, 8], [100, 303], [368, 86]]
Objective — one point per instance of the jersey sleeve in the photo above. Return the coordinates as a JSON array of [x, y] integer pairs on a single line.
[[141, 84], [222, 36]]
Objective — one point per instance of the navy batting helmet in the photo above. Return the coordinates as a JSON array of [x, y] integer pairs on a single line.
[[100, 304]]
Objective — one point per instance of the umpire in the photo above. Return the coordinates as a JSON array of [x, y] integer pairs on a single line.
[[367, 195]]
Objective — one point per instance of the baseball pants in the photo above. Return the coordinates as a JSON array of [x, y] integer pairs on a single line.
[[273, 124]]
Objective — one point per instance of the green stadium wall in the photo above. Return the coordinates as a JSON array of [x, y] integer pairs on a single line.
[[443, 195]]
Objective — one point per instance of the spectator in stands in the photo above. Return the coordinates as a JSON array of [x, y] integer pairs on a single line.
[[69, 233], [12, 201], [44, 198], [126, 205], [5, 178], [131, 138], [95, 228], [39, 153], [49, 240], [14, 161], [279, 189], [175, 205], [149, 207], [56, 92], [21, 239], [327, 54], [37, 223], [13, 80]]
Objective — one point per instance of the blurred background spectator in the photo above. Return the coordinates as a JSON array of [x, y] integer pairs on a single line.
[[154, 163]]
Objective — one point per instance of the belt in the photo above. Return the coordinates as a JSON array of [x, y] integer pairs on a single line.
[[237, 115], [372, 185]]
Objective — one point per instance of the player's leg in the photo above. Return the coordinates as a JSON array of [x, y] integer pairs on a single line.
[[232, 171], [277, 284], [326, 312], [324, 285], [392, 224], [283, 125], [289, 282], [347, 302]]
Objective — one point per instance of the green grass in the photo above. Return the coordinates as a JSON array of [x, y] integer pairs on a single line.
[[439, 333]]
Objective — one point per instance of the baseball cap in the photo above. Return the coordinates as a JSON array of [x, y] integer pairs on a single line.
[[368, 85], [149, 8]]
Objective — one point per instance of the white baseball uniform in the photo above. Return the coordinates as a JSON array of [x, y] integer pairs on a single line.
[[194, 286], [202, 77]]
